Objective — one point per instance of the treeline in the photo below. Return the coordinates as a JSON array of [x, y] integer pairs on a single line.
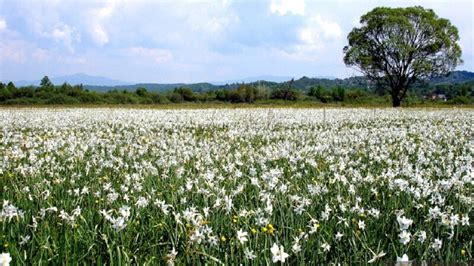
[[48, 93]]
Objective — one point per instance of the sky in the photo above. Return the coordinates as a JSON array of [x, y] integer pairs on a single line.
[[195, 40]]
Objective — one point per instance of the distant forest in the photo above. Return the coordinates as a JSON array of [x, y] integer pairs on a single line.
[[456, 88]]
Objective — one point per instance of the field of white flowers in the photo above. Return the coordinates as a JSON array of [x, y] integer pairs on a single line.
[[300, 186]]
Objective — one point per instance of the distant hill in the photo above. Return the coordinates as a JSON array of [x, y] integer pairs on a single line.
[[156, 87], [454, 77], [76, 79], [305, 83], [254, 79]]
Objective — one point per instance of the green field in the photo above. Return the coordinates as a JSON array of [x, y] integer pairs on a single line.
[[185, 185]]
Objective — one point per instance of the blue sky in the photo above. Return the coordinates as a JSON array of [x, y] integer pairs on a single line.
[[192, 41]]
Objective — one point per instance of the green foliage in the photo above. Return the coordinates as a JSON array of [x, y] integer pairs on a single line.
[[159, 98], [243, 93], [337, 94], [175, 97], [286, 92], [11, 87], [61, 99], [46, 84], [185, 93], [397, 46], [320, 94], [142, 92], [461, 100], [357, 94]]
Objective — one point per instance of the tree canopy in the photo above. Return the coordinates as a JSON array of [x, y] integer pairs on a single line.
[[396, 46]]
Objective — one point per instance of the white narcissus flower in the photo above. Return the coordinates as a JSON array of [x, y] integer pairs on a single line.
[[361, 225], [326, 247], [404, 222], [404, 260], [142, 202], [249, 254], [5, 259], [404, 237], [436, 245], [242, 236], [124, 211], [421, 236], [278, 253], [296, 247]]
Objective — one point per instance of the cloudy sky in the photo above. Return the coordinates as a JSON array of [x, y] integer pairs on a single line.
[[192, 41]]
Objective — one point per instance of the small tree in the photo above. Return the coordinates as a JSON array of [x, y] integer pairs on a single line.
[[338, 94], [286, 92], [10, 87], [46, 84], [186, 93], [142, 92], [396, 46]]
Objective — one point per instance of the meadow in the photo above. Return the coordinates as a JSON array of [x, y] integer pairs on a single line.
[[236, 186]]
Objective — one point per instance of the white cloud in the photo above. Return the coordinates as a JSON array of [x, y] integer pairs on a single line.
[[99, 35], [218, 24], [300, 52], [210, 18], [314, 37], [317, 30], [65, 34], [12, 52], [71, 60], [40, 54], [3, 24], [157, 55], [97, 20], [282, 7]]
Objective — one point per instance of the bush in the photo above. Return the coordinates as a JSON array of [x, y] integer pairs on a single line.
[[121, 98], [286, 94], [186, 93], [61, 99], [159, 98], [322, 94], [355, 94], [142, 92], [90, 97], [175, 97], [24, 101], [460, 100]]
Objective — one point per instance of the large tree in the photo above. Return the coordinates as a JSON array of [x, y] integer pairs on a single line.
[[396, 46]]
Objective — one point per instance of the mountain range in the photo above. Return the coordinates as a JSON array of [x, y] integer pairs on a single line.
[[303, 83], [75, 79]]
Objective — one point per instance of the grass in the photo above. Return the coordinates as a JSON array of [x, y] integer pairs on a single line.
[[259, 104]]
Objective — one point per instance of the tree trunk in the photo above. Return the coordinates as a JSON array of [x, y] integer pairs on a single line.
[[396, 97], [396, 101]]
